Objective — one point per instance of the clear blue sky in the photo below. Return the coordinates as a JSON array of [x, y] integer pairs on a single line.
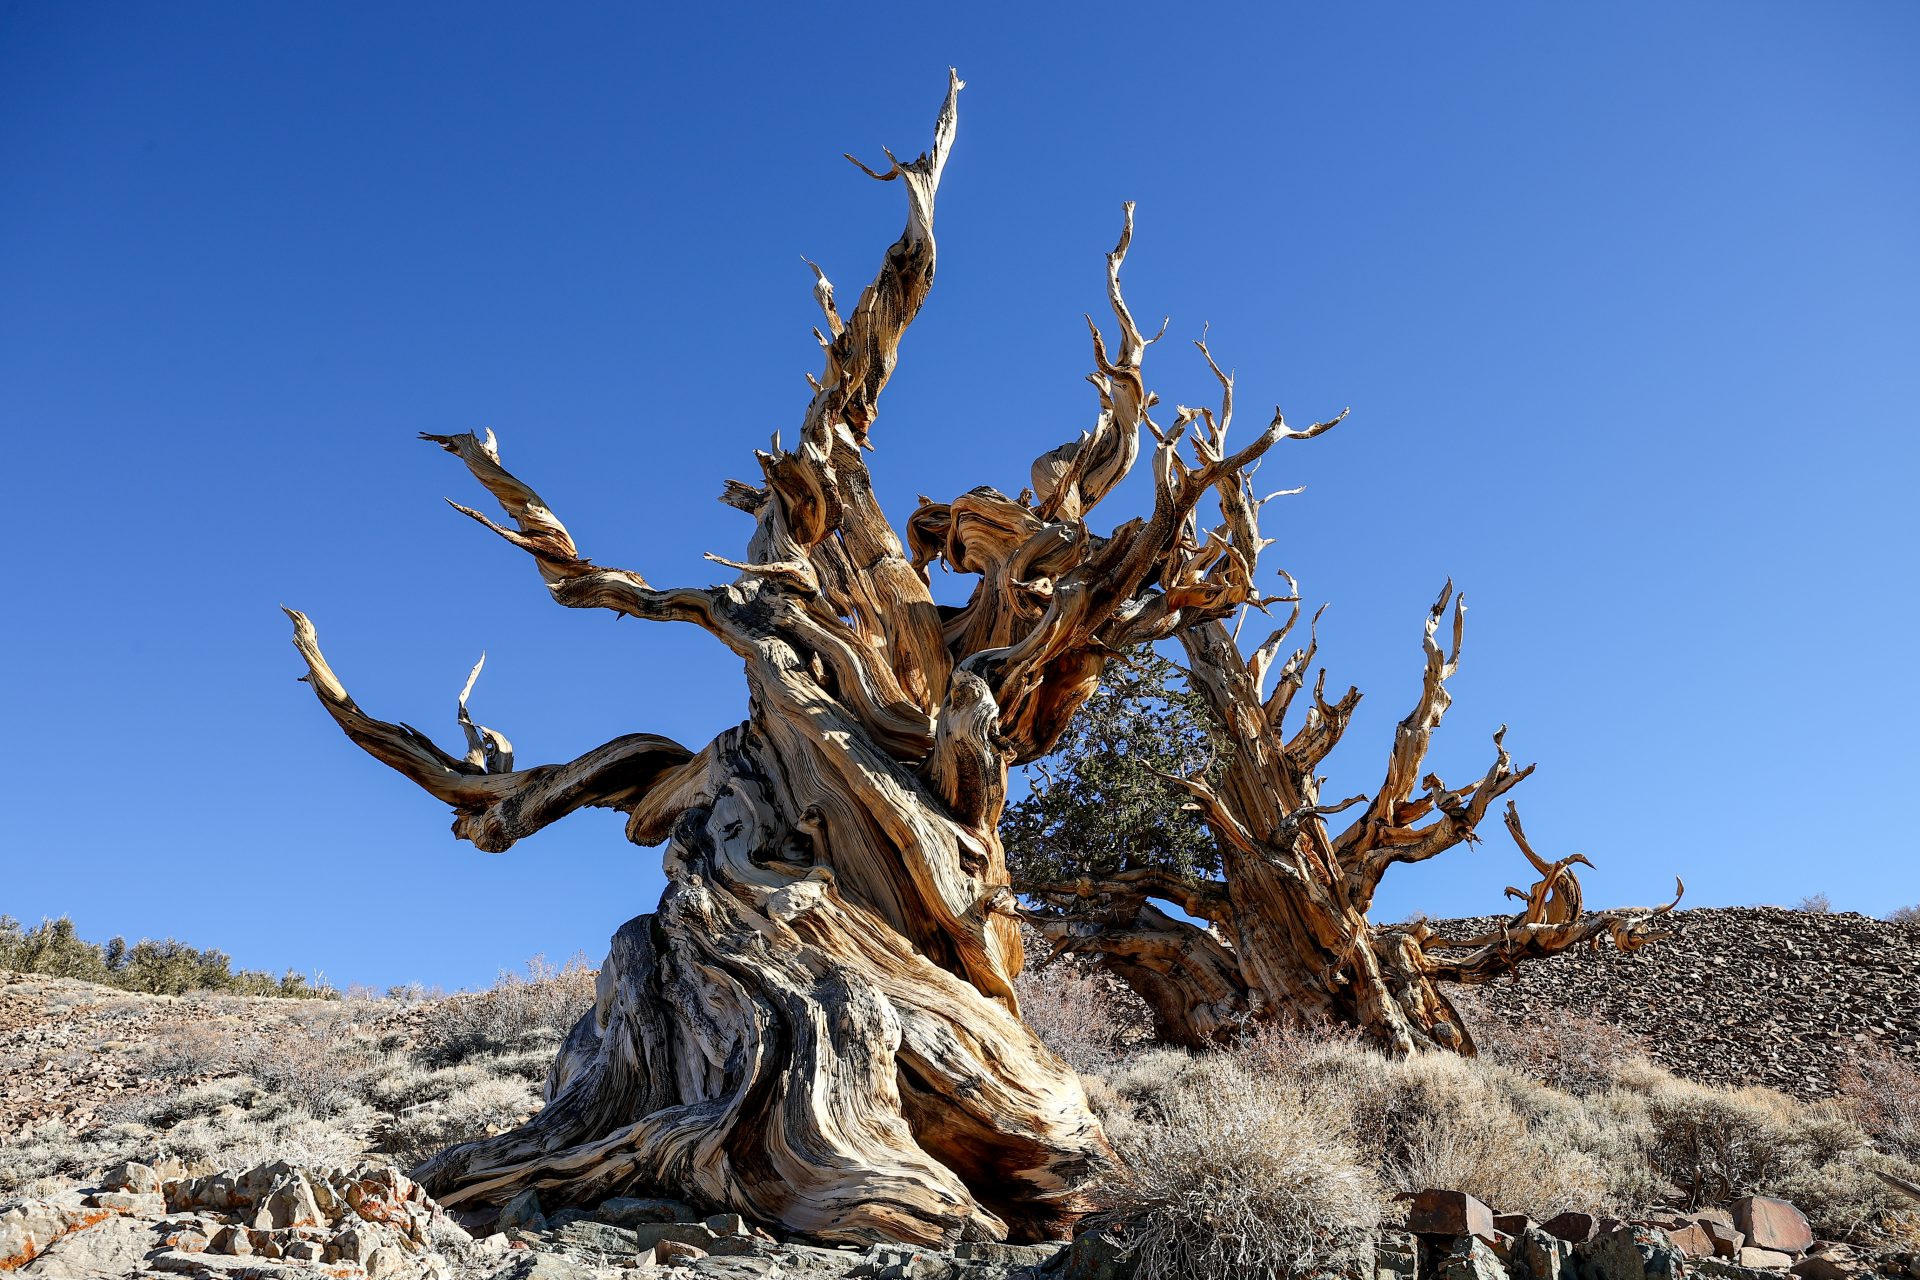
[[1623, 298]]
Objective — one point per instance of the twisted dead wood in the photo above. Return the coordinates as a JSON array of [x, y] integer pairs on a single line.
[[1284, 933], [817, 1025]]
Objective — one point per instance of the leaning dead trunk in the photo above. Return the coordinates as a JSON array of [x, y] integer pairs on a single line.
[[817, 1025], [1284, 933]]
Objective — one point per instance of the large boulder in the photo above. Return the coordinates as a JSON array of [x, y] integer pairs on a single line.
[[1437, 1212], [1772, 1224]]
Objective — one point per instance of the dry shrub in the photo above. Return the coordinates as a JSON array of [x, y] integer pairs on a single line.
[[1574, 1052], [1438, 1120], [1880, 1092], [516, 1013], [487, 1106], [1073, 1013], [1230, 1174], [1905, 915]]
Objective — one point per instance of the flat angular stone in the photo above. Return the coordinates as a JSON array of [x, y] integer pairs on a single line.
[[1471, 1259], [1772, 1224], [131, 1175], [648, 1234], [1693, 1239], [1538, 1255], [1765, 1259], [1437, 1212], [1512, 1224], [631, 1211], [1831, 1266], [1728, 1239], [523, 1211], [674, 1252], [1627, 1252], [1573, 1227]]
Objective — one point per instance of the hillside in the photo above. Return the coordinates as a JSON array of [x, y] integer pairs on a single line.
[[1737, 995]]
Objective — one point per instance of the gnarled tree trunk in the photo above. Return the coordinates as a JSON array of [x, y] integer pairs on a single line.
[[817, 1026], [1285, 932]]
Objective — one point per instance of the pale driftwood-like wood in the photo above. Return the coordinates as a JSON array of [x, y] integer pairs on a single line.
[[1287, 934], [817, 1026]]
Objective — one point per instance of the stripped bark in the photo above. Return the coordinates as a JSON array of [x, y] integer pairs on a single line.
[[817, 1026], [1287, 934]]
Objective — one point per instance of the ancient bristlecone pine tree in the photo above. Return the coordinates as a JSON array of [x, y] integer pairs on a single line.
[[817, 1026], [1286, 933]]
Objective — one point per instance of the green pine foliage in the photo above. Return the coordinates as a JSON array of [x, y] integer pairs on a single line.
[[167, 967], [1096, 805]]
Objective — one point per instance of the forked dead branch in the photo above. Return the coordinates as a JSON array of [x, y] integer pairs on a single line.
[[1286, 934]]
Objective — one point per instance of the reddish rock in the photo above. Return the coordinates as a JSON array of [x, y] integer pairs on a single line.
[[1728, 1239], [1573, 1227], [1449, 1213], [1692, 1238], [1765, 1259], [1772, 1224], [1512, 1224], [670, 1253]]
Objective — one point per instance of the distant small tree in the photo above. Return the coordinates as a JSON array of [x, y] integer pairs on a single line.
[[1905, 915], [1814, 904]]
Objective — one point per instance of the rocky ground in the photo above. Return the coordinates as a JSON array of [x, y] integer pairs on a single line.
[[278, 1220], [1738, 995], [243, 1137]]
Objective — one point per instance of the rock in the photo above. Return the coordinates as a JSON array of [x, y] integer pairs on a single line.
[[131, 1175], [522, 1212], [288, 1202], [1574, 1228], [386, 1261], [727, 1224], [1539, 1255], [672, 1253], [356, 1244], [536, 1264], [304, 1251], [648, 1234], [111, 1249], [1099, 1253], [1727, 1238], [1449, 1213], [1765, 1259], [1396, 1255], [1835, 1265], [129, 1202], [235, 1241], [1471, 1258], [630, 1211], [1627, 1252], [1693, 1239], [595, 1242], [1772, 1224]]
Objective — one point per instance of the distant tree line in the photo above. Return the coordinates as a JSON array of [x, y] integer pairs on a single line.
[[167, 967]]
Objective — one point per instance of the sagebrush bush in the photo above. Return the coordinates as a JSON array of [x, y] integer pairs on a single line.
[[1905, 915], [1880, 1091], [1575, 1052], [1230, 1174], [516, 1013], [1077, 1014]]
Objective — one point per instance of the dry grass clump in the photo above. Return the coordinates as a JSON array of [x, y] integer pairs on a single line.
[[1230, 1174], [1613, 1134]]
